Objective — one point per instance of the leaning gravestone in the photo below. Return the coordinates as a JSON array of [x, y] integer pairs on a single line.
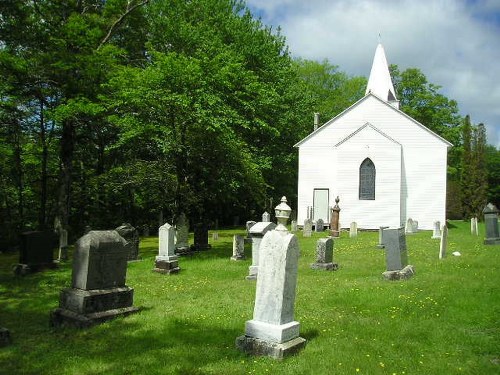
[[443, 245], [166, 261], [324, 255], [381, 237], [436, 233], [273, 331], [490, 213], [396, 255], [353, 230], [307, 229], [182, 245], [98, 291], [238, 247], [320, 225], [131, 235], [201, 237], [36, 252], [257, 232]]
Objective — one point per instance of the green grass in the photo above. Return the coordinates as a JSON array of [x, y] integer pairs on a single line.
[[445, 320]]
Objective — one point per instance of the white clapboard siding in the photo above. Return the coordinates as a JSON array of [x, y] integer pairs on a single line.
[[410, 164]]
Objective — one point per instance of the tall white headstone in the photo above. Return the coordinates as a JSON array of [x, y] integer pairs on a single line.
[[443, 245], [353, 230], [238, 247], [474, 226], [436, 233], [166, 261]]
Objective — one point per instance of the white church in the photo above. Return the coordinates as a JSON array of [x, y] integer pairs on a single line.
[[384, 166]]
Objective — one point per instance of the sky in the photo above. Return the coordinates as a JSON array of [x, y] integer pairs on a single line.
[[455, 43]]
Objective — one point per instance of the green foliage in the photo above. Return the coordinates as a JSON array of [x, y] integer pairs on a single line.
[[434, 323]]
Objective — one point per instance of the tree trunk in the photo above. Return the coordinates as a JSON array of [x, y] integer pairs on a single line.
[[66, 155]]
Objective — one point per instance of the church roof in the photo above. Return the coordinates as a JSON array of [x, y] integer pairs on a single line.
[[380, 82]]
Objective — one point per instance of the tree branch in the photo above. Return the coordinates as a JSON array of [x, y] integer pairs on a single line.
[[120, 19]]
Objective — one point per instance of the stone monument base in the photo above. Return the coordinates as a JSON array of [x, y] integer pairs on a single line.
[[325, 266], [492, 241], [4, 337], [403, 274], [252, 273], [255, 346], [84, 308], [381, 246], [166, 266], [200, 247], [238, 257]]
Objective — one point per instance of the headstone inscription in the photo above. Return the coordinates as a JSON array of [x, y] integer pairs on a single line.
[[257, 232], [396, 255], [334, 221], [353, 230], [201, 237], [273, 331], [36, 251], [443, 245], [98, 291], [320, 225], [490, 213], [307, 229], [182, 235], [166, 261], [324, 255], [131, 235], [238, 247], [381, 237], [436, 233]]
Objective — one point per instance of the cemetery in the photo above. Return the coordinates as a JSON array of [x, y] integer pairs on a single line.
[[189, 322]]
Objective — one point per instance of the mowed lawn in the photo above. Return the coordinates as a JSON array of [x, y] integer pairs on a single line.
[[444, 320]]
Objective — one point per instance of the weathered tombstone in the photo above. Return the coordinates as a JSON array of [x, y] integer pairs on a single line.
[[266, 217], [257, 232], [320, 225], [215, 236], [334, 221], [307, 229], [396, 255], [473, 226], [273, 331], [63, 245], [443, 245], [415, 226], [410, 226], [36, 251], [131, 235], [182, 245], [5, 337], [490, 213], [381, 237], [201, 237], [293, 226], [98, 291], [166, 261], [353, 230], [436, 233], [238, 247], [324, 255]]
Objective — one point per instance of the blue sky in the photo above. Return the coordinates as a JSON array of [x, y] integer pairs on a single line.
[[455, 43]]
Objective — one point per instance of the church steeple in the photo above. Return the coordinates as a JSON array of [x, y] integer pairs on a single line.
[[380, 82]]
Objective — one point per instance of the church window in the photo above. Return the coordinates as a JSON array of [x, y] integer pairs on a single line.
[[367, 180]]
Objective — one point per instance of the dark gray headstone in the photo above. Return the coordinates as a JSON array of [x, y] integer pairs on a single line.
[[396, 254], [324, 255], [36, 251], [131, 235], [490, 213], [320, 225], [5, 337], [201, 237]]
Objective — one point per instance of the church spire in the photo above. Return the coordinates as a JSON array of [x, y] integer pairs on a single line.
[[380, 82]]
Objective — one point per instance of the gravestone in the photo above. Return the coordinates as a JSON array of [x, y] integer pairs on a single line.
[[182, 235], [215, 236], [166, 261], [410, 226], [98, 291], [443, 245], [436, 233], [131, 235], [353, 230], [36, 251], [201, 237], [307, 229], [238, 248], [266, 217], [490, 213], [334, 221], [63, 244], [5, 337], [396, 255], [257, 232], [293, 226], [273, 331], [320, 225], [248, 225], [381, 237], [415, 226], [474, 226], [324, 255]]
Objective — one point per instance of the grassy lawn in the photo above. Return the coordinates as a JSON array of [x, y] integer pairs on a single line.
[[445, 320]]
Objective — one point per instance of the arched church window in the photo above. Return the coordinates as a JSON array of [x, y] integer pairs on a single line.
[[367, 180]]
